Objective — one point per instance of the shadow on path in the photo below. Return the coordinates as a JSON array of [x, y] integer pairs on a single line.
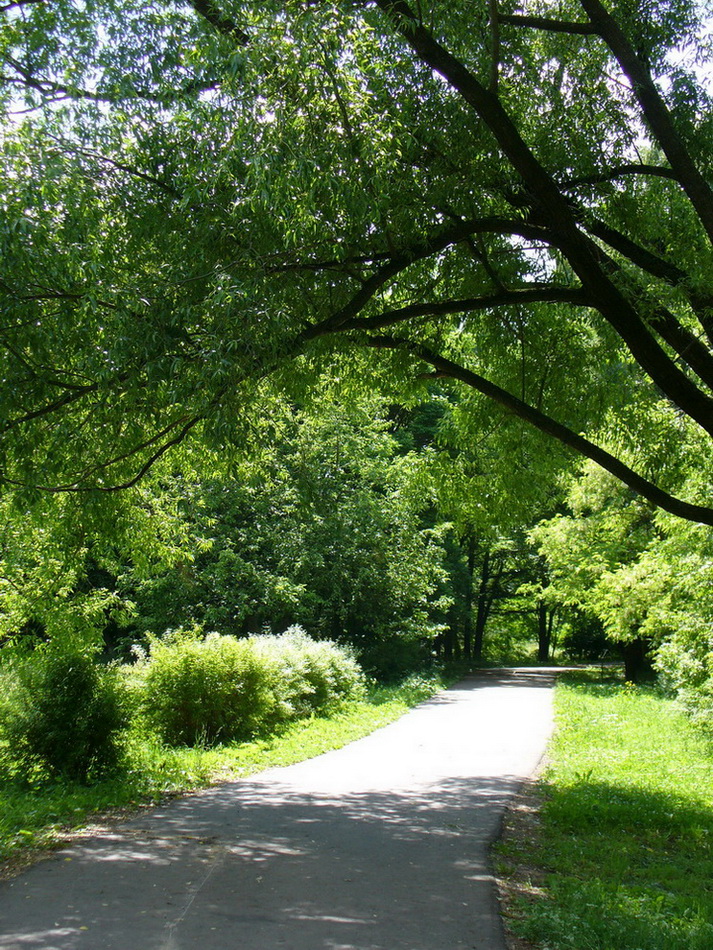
[[318, 856]]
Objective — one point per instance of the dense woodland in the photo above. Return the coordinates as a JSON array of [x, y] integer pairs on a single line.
[[390, 320]]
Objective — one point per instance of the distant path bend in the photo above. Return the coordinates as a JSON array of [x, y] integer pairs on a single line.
[[381, 845]]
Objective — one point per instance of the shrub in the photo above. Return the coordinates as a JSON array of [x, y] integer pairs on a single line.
[[221, 688], [205, 691], [63, 714], [685, 665], [313, 675]]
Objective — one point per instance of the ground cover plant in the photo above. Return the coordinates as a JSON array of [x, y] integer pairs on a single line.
[[36, 815], [622, 858]]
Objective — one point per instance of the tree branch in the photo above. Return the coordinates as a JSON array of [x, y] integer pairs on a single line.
[[448, 369], [135, 450], [664, 270], [75, 487], [551, 205], [523, 297], [655, 111], [19, 3], [657, 171], [124, 167], [212, 13], [418, 251], [551, 26], [494, 15], [58, 91], [51, 407]]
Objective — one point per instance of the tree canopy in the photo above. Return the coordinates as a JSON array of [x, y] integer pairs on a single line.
[[207, 200]]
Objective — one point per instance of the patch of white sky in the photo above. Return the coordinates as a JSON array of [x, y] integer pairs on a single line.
[[18, 105], [697, 57]]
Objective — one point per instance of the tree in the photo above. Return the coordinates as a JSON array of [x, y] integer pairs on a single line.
[[200, 195], [60, 555], [600, 562], [322, 529], [495, 480]]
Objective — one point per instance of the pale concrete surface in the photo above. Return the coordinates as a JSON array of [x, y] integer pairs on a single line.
[[381, 845]]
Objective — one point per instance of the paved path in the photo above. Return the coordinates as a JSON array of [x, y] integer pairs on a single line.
[[381, 845]]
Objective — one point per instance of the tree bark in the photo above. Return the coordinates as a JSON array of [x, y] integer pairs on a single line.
[[468, 624], [545, 626]]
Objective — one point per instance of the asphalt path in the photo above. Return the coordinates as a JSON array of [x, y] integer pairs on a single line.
[[381, 845]]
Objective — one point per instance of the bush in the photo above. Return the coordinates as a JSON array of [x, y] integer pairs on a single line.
[[311, 675], [221, 688], [685, 666], [198, 692], [63, 714]]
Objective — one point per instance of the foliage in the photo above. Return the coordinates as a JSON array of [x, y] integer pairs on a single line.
[[683, 617], [323, 527], [640, 576], [62, 716], [591, 552], [622, 854], [202, 197], [390, 660], [60, 554], [220, 217], [583, 636], [312, 676], [202, 691]]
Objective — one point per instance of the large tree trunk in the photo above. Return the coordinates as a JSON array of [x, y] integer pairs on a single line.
[[544, 632], [468, 623]]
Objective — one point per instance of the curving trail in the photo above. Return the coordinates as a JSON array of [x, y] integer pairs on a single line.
[[381, 845]]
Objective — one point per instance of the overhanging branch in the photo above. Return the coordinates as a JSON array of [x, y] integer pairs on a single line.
[[448, 369], [655, 111], [401, 260], [77, 487], [212, 13], [550, 204], [548, 25], [620, 171], [522, 297]]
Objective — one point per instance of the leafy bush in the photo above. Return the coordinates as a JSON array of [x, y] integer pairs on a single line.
[[198, 692], [62, 714], [221, 688], [312, 676]]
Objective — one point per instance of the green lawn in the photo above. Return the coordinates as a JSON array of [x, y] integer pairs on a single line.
[[622, 858], [39, 817]]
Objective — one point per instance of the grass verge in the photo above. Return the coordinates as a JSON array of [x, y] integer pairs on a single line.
[[34, 818], [619, 854]]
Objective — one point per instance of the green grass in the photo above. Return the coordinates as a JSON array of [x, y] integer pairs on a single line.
[[40, 815], [625, 840]]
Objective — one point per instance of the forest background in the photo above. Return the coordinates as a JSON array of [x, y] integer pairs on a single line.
[[390, 321]]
